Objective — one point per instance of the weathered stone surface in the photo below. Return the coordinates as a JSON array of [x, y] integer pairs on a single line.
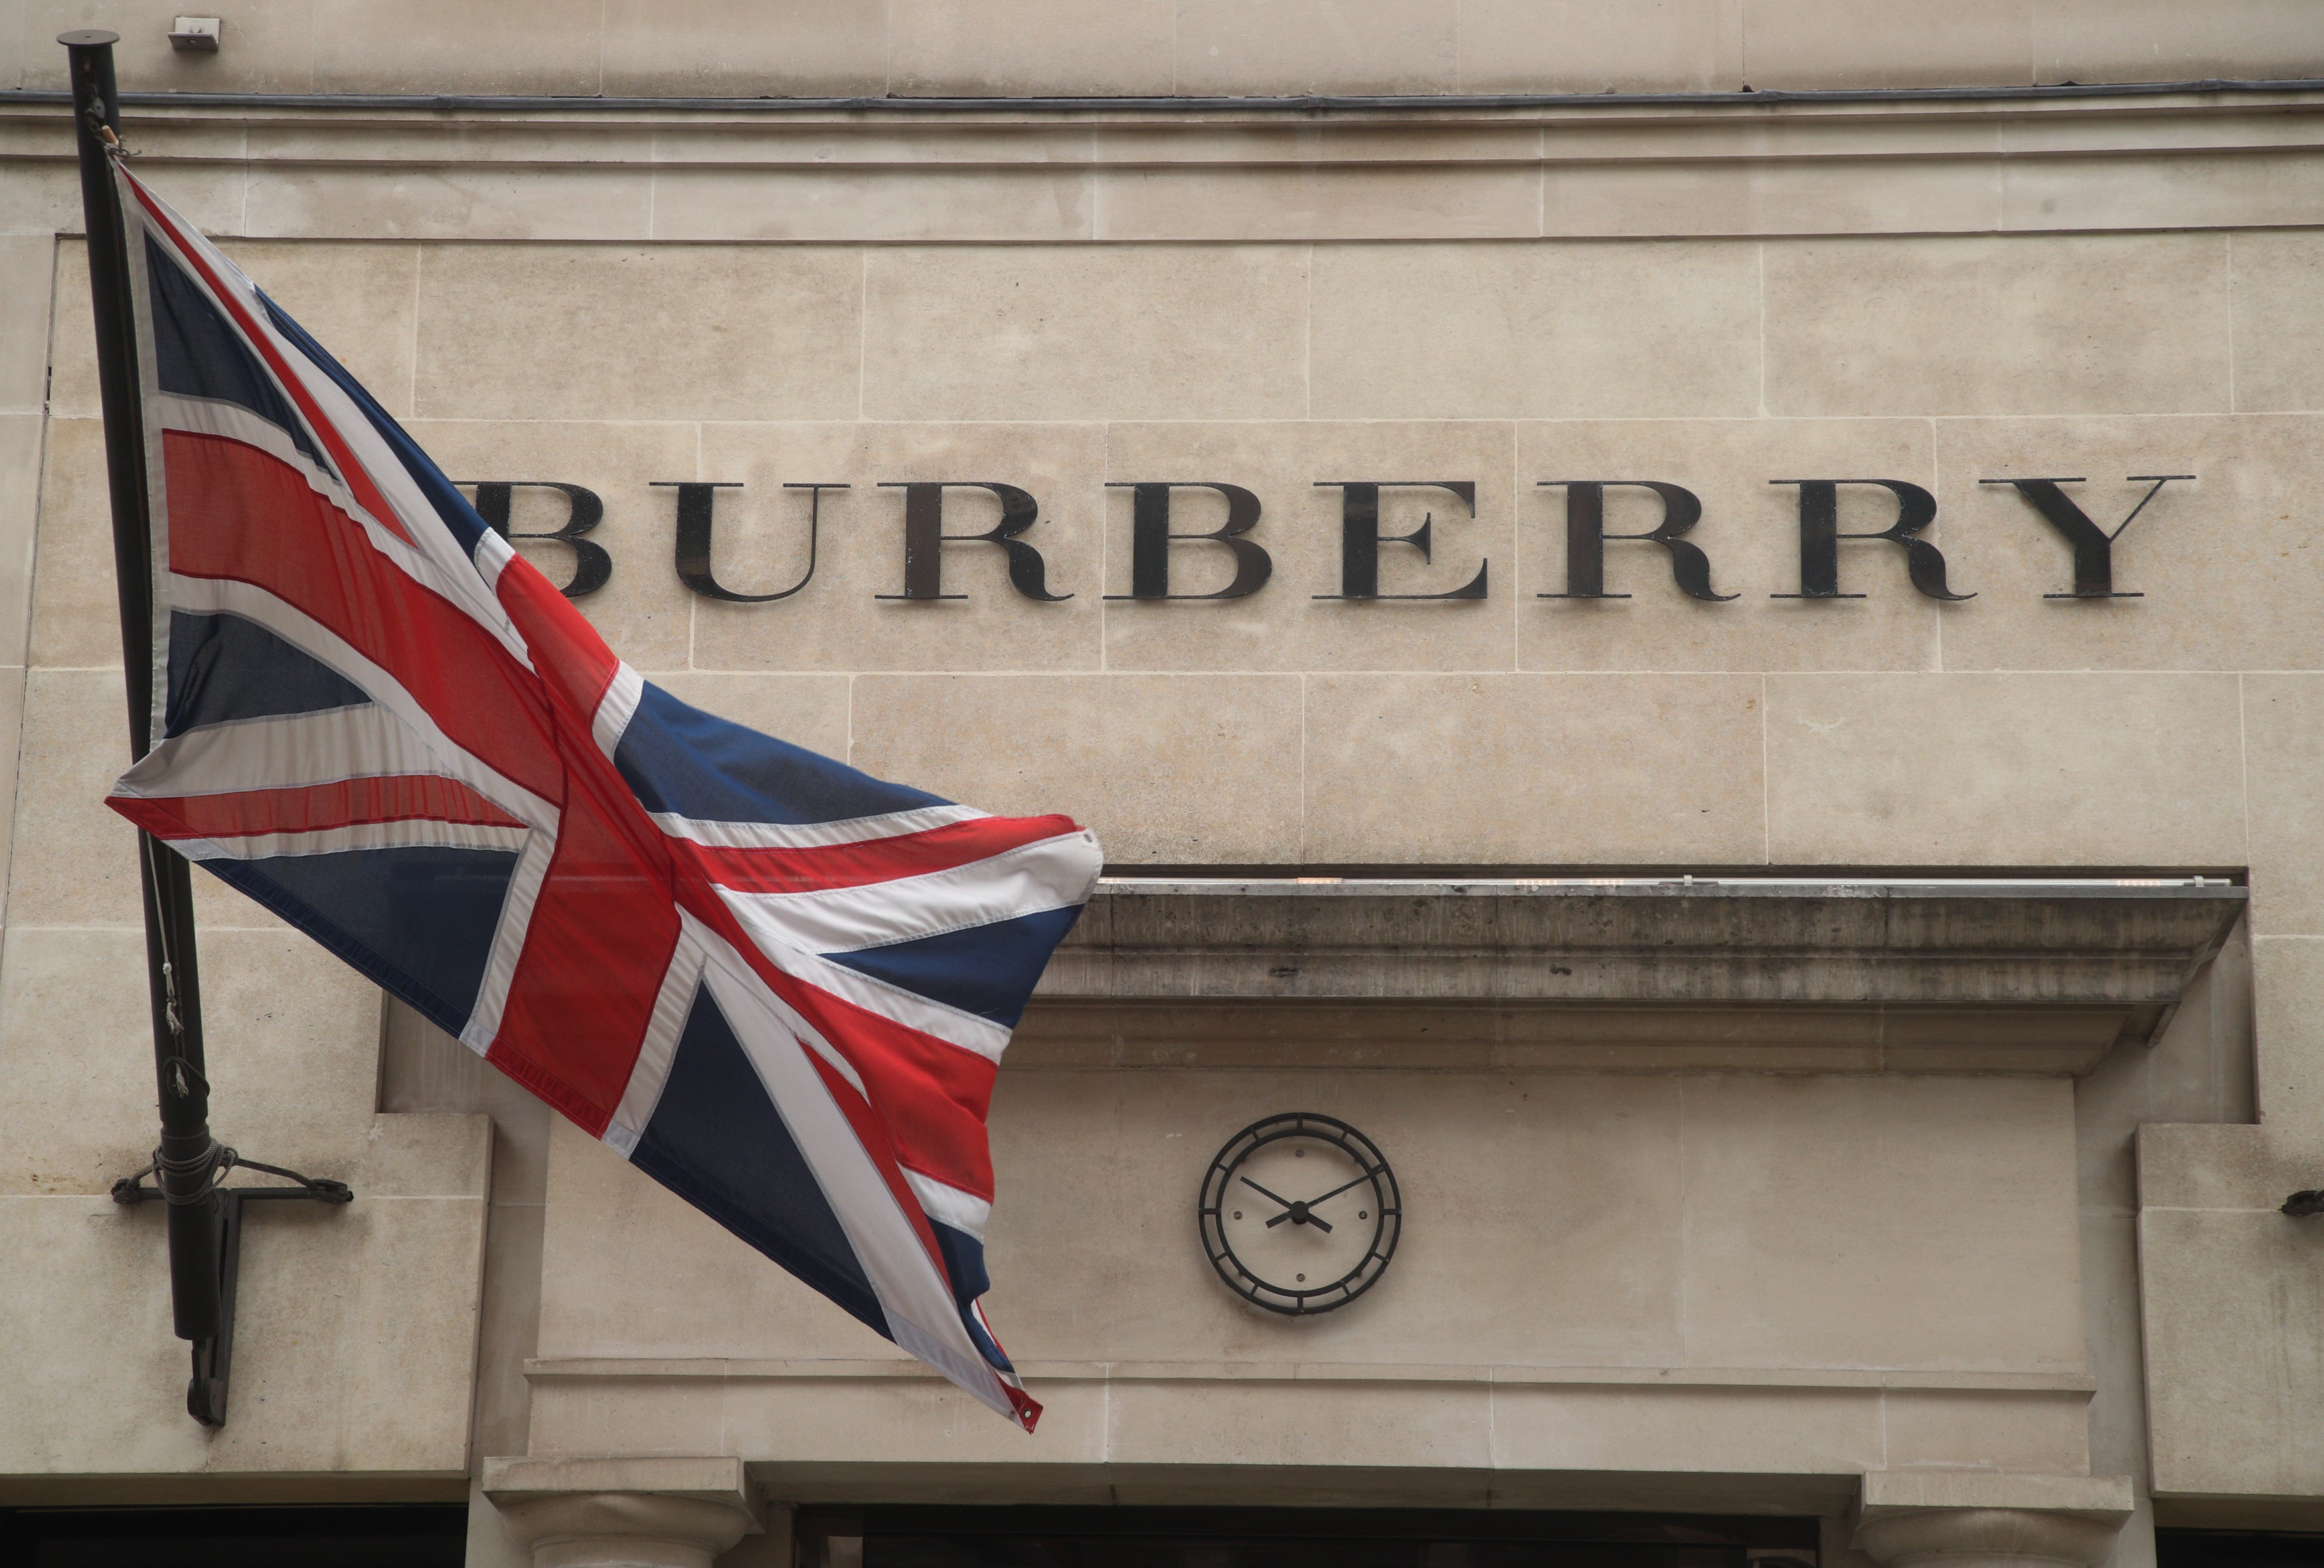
[[657, 1512], [1906, 1519], [1722, 1197], [2132, 947]]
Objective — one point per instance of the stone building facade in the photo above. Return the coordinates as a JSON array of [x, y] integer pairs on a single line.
[[1841, 1009]]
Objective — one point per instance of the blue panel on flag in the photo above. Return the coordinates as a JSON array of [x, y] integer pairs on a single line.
[[223, 666], [716, 1140], [450, 505], [964, 1258], [987, 969], [419, 921], [198, 353], [681, 760]]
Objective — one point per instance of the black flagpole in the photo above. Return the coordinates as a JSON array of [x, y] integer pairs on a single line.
[[204, 1218], [189, 1158]]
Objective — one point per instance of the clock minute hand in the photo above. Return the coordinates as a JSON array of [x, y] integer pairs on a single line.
[[1343, 1187]]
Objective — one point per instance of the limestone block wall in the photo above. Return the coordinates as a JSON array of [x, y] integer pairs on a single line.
[[533, 319], [1018, 48], [1289, 729], [1643, 1273]]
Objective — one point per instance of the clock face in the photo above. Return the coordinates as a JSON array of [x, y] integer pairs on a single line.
[[1300, 1214]]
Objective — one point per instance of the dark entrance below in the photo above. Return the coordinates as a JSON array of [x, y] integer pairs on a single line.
[[1138, 1538]]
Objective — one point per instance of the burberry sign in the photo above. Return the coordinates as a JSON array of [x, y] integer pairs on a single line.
[[1156, 537]]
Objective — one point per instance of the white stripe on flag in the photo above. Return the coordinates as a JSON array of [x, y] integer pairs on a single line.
[[909, 1008], [508, 941], [650, 1074], [415, 834], [1051, 874], [618, 707], [287, 751], [948, 1205], [718, 835]]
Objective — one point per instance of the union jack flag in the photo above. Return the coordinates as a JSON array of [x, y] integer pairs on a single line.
[[779, 986]]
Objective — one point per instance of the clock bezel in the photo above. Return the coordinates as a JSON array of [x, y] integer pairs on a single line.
[[1289, 1301]]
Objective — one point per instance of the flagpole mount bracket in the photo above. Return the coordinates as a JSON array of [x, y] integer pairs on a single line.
[[212, 1359]]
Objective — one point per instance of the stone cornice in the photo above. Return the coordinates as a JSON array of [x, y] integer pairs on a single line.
[[2203, 89], [2115, 949], [880, 170]]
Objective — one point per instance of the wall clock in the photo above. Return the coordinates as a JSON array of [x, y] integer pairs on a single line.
[[1300, 1214]]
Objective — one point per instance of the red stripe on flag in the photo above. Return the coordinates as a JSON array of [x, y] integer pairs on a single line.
[[244, 515], [604, 925], [600, 940], [935, 1095], [314, 807], [358, 478], [880, 860], [574, 664]]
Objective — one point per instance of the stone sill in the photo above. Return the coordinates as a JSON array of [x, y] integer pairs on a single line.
[[547, 1368]]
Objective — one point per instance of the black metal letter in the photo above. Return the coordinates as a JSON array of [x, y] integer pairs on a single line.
[[2093, 546], [1150, 537], [924, 537], [1819, 537], [1586, 537], [1361, 537], [695, 499], [592, 567]]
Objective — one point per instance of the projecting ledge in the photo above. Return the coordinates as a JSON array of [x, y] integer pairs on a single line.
[[1989, 1519], [622, 1511], [2113, 955]]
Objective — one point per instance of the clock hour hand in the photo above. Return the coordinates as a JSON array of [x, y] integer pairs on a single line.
[[1296, 1213]]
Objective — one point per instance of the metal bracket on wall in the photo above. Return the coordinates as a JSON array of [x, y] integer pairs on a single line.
[[205, 1391]]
